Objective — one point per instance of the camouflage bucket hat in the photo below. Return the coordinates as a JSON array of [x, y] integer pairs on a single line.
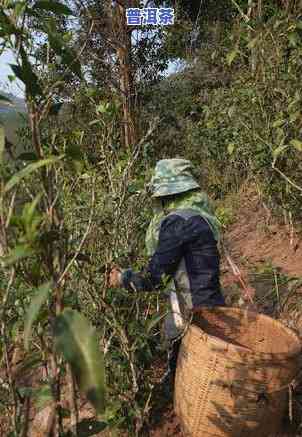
[[172, 176]]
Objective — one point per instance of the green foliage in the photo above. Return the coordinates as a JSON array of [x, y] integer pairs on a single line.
[[225, 215], [30, 168], [239, 104], [37, 301], [41, 396], [26, 74], [52, 6], [18, 253], [76, 340]]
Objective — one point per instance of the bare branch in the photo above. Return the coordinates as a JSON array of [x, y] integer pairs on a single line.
[[69, 265]]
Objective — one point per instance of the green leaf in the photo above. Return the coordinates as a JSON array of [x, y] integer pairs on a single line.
[[279, 122], [89, 427], [5, 99], [42, 396], [154, 321], [6, 26], [76, 340], [28, 77], [37, 301], [20, 252], [297, 144], [231, 148], [30, 209], [53, 6], [74, 152], [231, 56], [278, 151], [294, 39], [28, 156], [30, 169], [252, 43], [102, 108]]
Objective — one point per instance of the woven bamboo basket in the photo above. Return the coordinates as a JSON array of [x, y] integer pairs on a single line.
[[233, 373]]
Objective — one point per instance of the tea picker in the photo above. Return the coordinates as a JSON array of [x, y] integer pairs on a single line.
[[182, 242]]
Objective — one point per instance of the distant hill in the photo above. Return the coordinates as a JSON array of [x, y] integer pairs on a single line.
[[16, 102], [12, 116]]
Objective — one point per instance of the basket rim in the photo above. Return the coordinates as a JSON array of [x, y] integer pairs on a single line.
[[231, 347]]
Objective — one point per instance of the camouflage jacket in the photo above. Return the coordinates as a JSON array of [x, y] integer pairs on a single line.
[[185, 238]]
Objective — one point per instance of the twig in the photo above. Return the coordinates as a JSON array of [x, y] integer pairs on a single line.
[[5, 350], [277, 288], [293, 184], [237, 273], [291, 240], [10, 209], [243, 15], [69, 265], [74, 412], [290, 402]]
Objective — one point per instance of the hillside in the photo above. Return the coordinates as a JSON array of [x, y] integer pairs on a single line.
[[12, 115]]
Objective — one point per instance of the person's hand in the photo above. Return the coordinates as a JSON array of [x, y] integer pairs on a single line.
[[115, 278]]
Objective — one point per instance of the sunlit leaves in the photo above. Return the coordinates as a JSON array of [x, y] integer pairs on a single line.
[[231, 148], [154, 321], [231, 56], [278, 151], [297, 144], [76, 340], [279, 122], [31, 219]]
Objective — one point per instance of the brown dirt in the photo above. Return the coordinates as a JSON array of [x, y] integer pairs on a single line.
[[256, 237]]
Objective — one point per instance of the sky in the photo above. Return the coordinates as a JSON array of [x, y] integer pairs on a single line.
[[15, 87]]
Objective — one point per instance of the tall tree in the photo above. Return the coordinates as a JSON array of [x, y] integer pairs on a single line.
[[119, 56]]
